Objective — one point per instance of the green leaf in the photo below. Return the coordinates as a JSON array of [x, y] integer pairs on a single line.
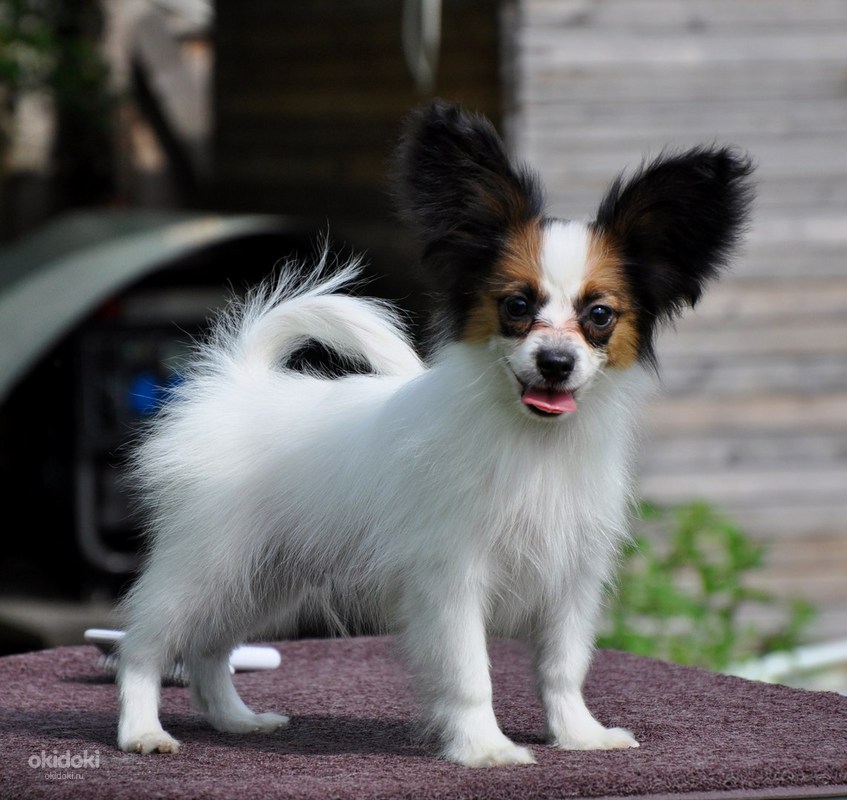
[[683, 585]]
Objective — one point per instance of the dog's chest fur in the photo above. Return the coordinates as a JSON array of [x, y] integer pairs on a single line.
[[531, 509]]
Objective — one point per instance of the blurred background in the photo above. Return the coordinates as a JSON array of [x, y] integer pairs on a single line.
[[158, 155]]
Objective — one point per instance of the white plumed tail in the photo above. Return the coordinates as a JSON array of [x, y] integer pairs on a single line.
[[276, 321]]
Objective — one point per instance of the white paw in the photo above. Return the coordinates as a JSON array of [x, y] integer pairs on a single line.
[[270, 722], [598, 738], [153, 742], [500, 754], [255, 723]]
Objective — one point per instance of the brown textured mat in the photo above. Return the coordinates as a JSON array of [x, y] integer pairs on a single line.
[[702, 735]]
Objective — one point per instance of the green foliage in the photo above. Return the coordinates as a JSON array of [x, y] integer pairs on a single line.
[[27, 45], [681, 593], [52, 47], [27, 57]]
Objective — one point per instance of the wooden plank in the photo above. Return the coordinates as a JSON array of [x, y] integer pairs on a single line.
[[820, 554], [793, 198], [568, 157], [828, 624], [821, 590], [785, 337], [794, 521], [821, 230], [789, 260], [822, 157], [763, 298], [737, 377], [821, 583], [750, 414], [746, 487], [664, 14], [683, 84], [797, 447], [562, 47], [673, 118]]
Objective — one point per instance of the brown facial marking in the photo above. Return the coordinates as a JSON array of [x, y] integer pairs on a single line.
[[605, 284], [517, 271]]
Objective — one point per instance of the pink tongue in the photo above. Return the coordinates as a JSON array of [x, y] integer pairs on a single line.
[[549, 401]]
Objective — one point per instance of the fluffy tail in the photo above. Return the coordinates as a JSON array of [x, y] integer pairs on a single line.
[[276, 321]]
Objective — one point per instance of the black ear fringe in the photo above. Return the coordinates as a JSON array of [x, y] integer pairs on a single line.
[[677, 221], [457, 187]]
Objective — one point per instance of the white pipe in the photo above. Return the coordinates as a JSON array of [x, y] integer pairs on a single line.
[[777, 666]]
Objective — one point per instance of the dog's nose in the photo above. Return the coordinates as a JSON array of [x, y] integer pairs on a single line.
[[555, 365]]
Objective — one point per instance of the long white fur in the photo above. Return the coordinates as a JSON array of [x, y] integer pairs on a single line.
[[428, 499]]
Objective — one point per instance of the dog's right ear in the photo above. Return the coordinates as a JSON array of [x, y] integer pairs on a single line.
[[458, 188]]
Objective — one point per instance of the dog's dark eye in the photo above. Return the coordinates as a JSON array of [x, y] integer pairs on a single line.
[[516, 307], [601, 316]]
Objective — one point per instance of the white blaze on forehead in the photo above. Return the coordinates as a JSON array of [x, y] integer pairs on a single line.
[[564, 261]]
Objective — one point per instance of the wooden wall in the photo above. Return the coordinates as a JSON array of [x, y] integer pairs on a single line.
[[754, 412]]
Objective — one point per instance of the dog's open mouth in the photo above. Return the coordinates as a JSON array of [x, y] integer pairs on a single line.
[[548, 402]]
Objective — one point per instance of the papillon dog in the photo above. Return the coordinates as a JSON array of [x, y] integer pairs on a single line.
[[484, 493]]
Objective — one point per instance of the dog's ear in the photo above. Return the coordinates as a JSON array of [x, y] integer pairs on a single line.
[[675, 223], [458, 188]]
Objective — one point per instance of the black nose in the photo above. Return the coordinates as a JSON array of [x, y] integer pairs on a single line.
[[555, 365]]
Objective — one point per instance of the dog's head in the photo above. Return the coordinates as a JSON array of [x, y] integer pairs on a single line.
[[558, 301]]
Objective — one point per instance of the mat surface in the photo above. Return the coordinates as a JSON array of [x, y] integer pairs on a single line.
[[702, 735]]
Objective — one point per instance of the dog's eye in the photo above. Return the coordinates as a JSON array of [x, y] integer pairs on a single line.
[[516, 306], [601, 316]]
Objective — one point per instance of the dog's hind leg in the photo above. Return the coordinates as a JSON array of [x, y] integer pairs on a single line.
[[210, 676], [213, 692]]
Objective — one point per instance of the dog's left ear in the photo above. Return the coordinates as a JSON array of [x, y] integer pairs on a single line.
[[675, 223], [457, 186]]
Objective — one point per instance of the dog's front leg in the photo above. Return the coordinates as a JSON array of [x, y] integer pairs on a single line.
[[563, 642], [443, 635]]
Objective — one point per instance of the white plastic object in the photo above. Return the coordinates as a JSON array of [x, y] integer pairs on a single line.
[[244, 658]]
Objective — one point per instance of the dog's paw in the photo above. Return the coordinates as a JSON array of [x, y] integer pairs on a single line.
[[254, 723], [598, 738], [152, 742], [269, 722], [502, 753]]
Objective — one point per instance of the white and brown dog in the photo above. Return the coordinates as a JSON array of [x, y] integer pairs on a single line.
[[484, 494]]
